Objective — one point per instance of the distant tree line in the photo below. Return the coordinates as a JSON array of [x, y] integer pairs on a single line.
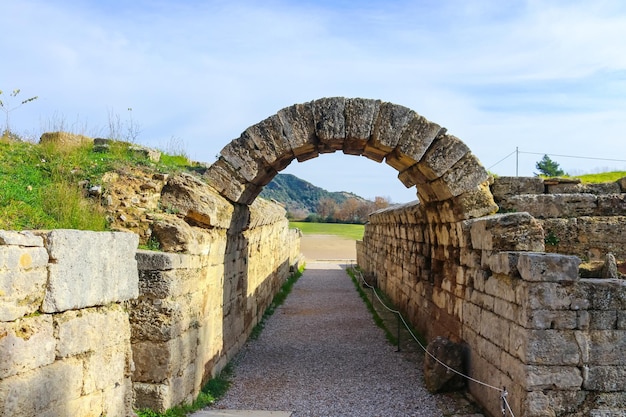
[[352, 210]]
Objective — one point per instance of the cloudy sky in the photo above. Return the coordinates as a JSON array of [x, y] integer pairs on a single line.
[[544, 76]]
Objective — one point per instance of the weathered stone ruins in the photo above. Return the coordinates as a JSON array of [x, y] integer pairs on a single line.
[[91, 326]]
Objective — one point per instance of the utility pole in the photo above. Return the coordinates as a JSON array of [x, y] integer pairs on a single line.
[[516, 161]]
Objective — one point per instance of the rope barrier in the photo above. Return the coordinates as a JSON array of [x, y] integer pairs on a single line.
[[503, 392]]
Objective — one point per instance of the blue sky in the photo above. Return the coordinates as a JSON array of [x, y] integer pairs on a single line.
[[544, 76]]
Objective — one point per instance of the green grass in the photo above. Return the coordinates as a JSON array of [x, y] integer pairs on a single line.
[[39, 184], [602, 177], [211, 392], [348, 231]]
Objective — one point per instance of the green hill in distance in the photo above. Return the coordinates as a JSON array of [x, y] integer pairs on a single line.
[[300, 197]]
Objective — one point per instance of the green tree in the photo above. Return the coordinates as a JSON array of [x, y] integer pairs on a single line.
[[8, 108], [549, 168]]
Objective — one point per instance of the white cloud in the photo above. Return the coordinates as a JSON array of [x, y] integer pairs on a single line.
[[543, 75]]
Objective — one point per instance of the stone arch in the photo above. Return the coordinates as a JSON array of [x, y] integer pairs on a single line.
[[443, 169]]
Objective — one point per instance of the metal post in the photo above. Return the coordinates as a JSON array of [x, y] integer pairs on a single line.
[[517, 161]]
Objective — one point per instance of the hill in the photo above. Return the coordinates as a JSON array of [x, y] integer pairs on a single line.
[[301, 197]]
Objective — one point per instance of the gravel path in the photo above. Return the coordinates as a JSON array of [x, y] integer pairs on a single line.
[[320, 354]]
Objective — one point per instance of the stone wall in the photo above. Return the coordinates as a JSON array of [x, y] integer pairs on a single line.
[[529, 323], [579, 219], [64, 332], [199, 300], [89, 325]]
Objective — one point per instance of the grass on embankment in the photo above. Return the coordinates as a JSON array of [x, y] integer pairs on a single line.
[[601, 177], [348, 231], [40, 184]]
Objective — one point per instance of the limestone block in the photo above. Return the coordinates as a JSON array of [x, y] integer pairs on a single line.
[[444, 152], [602, 347], [106, 368], [91, 329], [504, 263], [360, 117], [64, 139], [23, 277], [177, 235], [330, 123], [544, 267], [33, 393], [196, 201], [507, 232], [466, 175], [438, 378], [553, 377], [90, 269], [267, 136], [550, 403], [299, 130], [546, 206], [118, 400], [26, 344], [503, 187], [247, 161], [391, 121], [551, 319], [622, 184], [156, 397], [604, 378], [25, 238], [225, 179], [160, 261], [551, 347], [417, 137], [549, 296], [611, 205]]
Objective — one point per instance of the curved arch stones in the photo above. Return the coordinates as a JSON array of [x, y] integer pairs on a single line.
[[445, 172]]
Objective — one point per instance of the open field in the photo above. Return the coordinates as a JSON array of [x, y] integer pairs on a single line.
[[329, 241], [348, 231]]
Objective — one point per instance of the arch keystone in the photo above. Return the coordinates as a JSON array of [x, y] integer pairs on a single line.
[[330, 123]]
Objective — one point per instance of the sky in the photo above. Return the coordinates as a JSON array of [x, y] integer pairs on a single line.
[[514, 79]]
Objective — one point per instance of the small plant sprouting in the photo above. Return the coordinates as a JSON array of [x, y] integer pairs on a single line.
[[7, 108], [551, 239]]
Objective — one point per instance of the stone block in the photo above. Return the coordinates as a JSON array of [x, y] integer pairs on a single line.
[[465, 175], [551, 319], [360, 117], [546, 206], [25, 238], [106, 368], [387, 130], [156, 397], [443, 153], [330, 123], [23, 277], [543, 267], [604, 378], [602, 347], [267, 136], [91, 329], [553, 377], [503, 263], [198, 203], [507, 232], [299, 130], [603, 294], [549, 296], [38, 392], [158, 362], [551, 347], [225, 179], [89, 269], [26, 344], [417, 137], [247, 161], [503, 187]]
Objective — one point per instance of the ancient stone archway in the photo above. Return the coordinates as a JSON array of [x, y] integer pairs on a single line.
[[442, 167]]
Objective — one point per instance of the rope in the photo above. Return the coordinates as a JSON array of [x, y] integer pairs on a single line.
[[503, 391]]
